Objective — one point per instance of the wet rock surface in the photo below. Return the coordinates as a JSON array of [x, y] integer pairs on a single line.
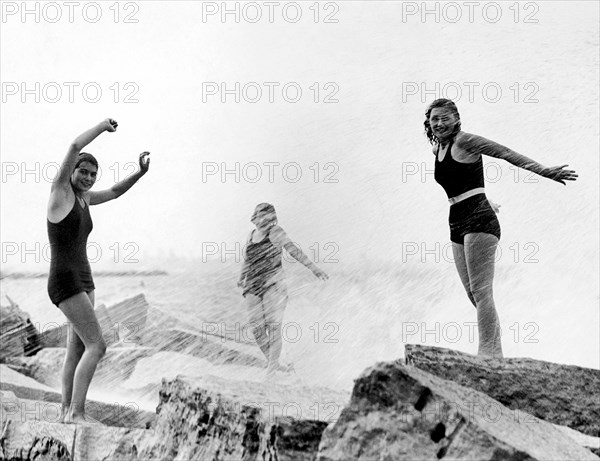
[[561, 394], [18, 336], [208, 424], [399, 412]]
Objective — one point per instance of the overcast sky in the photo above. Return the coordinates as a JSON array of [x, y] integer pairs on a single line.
[[328, 126]]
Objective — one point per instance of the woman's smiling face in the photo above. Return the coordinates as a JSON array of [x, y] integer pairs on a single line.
[[84, 176], [442, 122]]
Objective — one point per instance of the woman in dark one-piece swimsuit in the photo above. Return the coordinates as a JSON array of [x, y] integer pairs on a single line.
[[262, 280], [474, 227], [70, 282]]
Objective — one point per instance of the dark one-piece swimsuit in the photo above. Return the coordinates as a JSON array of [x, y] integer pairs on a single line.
[[474, 214], [70, 271], [264, 261]]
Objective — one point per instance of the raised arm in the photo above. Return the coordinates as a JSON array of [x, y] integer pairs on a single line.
[[68, 164], [483, 146], [279, 237], [118, 189]]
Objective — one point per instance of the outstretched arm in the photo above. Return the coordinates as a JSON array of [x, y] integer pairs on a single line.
[[96, 198], [278, 235], [68, 164], [474, 143]]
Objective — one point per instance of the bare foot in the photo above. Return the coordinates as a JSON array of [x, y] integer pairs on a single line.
[[63, 414]]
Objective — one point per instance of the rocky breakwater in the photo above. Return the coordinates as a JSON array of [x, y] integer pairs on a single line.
[[400, 412], [211, 418], [565, 395]]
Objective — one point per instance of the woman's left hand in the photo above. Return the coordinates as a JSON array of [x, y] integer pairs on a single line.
[[559, 174], [144, 162]]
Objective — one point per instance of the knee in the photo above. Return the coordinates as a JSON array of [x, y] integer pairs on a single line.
[[481, 294], [98, 348]]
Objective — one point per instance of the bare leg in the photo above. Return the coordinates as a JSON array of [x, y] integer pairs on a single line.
[[480, 254], [257, 322], [79, 310], [274, 302], [458, 251], [75, 349]]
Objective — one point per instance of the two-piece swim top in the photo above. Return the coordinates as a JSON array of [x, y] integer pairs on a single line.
[[457, 177]]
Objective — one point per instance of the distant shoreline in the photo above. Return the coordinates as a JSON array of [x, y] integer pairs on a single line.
[[37, 275]]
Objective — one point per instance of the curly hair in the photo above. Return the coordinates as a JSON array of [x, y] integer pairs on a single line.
[[446, 104]]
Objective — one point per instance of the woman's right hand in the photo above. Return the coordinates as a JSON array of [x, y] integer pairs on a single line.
[[110, 124]]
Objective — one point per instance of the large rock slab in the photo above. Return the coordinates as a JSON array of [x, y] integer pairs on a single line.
[[26, 441], [115, 330], [39, 402], [129, 318], [398, 412], [586, 441], [115, 367], [215, 349], [235, 421], [18, 336], [42, 441], [562, 394], [25, 387]]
